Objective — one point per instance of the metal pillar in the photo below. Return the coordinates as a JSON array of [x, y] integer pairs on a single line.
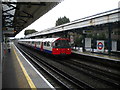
[[84, 36], [1, 51], [109, 38]]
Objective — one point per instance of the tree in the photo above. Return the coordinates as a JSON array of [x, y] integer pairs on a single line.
[[62, 20], [29, 31]]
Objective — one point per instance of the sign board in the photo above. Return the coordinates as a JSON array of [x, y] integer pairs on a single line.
[[11, 29], [114, 45], [87, 42], [87, 31], [8, 32], [71, 39], [100, 45]]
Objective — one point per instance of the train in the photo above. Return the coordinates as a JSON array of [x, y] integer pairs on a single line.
[[55, 46]]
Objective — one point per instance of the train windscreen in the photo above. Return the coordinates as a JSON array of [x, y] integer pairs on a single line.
[[61, 44]]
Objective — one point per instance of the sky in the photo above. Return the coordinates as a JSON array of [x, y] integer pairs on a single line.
[[72, 9]]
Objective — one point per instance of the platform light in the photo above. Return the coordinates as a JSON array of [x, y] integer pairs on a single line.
[[14, 31]]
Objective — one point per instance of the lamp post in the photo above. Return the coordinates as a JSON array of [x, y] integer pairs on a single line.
[[1, 49]]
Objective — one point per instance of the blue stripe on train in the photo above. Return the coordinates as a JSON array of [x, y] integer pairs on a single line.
[[37, 48], [47, 51]]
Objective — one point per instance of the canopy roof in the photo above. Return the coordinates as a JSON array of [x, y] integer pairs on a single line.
[[19, 15]]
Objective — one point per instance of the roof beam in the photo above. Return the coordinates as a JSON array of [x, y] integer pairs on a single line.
[[23, 20], [28, 14], [13, 26], [8, 10], [18, 16], [26, 3]]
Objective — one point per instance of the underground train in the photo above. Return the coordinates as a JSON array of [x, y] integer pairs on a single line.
[[54, 46]]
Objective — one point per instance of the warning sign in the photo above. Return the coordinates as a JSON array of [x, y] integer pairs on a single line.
[[100, 45]]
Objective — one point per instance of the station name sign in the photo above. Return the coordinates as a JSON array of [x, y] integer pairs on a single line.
[[9, 31]]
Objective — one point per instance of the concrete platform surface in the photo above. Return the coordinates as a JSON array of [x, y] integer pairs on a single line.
[[18, 72]]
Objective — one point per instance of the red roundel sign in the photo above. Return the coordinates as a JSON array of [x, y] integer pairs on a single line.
[[100, 46]]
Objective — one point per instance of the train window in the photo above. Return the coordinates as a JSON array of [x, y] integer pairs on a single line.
[[32, 42], [65, 43], [45, 43], [37, 43], [40, 43], [48, 43], [57, 44]]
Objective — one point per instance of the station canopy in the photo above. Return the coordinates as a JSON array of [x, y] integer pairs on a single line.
[[17, 15]]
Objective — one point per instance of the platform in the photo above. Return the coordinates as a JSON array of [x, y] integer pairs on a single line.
[[18, 72], [101, 56]]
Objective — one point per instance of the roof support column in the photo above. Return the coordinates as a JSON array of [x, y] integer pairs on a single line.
[[84, 36], [109, 38], [1, 49]]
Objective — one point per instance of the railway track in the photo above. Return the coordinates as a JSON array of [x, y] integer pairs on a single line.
[[109, 78], [69, 81], [65, 80], [99, 69], [112, 64]]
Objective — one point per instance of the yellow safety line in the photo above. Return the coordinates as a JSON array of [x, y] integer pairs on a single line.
[[31, 84]]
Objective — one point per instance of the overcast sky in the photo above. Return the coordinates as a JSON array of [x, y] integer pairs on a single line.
[[72, 9]]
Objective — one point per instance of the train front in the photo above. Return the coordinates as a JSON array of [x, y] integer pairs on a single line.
[[61, 46]]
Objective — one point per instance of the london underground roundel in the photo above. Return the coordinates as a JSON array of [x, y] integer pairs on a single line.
[[100, 46]]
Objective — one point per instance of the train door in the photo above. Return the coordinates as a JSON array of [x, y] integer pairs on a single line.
[[41, 47], [35, 45]]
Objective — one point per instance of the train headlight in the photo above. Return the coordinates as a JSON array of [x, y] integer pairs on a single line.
[[57, 49]]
